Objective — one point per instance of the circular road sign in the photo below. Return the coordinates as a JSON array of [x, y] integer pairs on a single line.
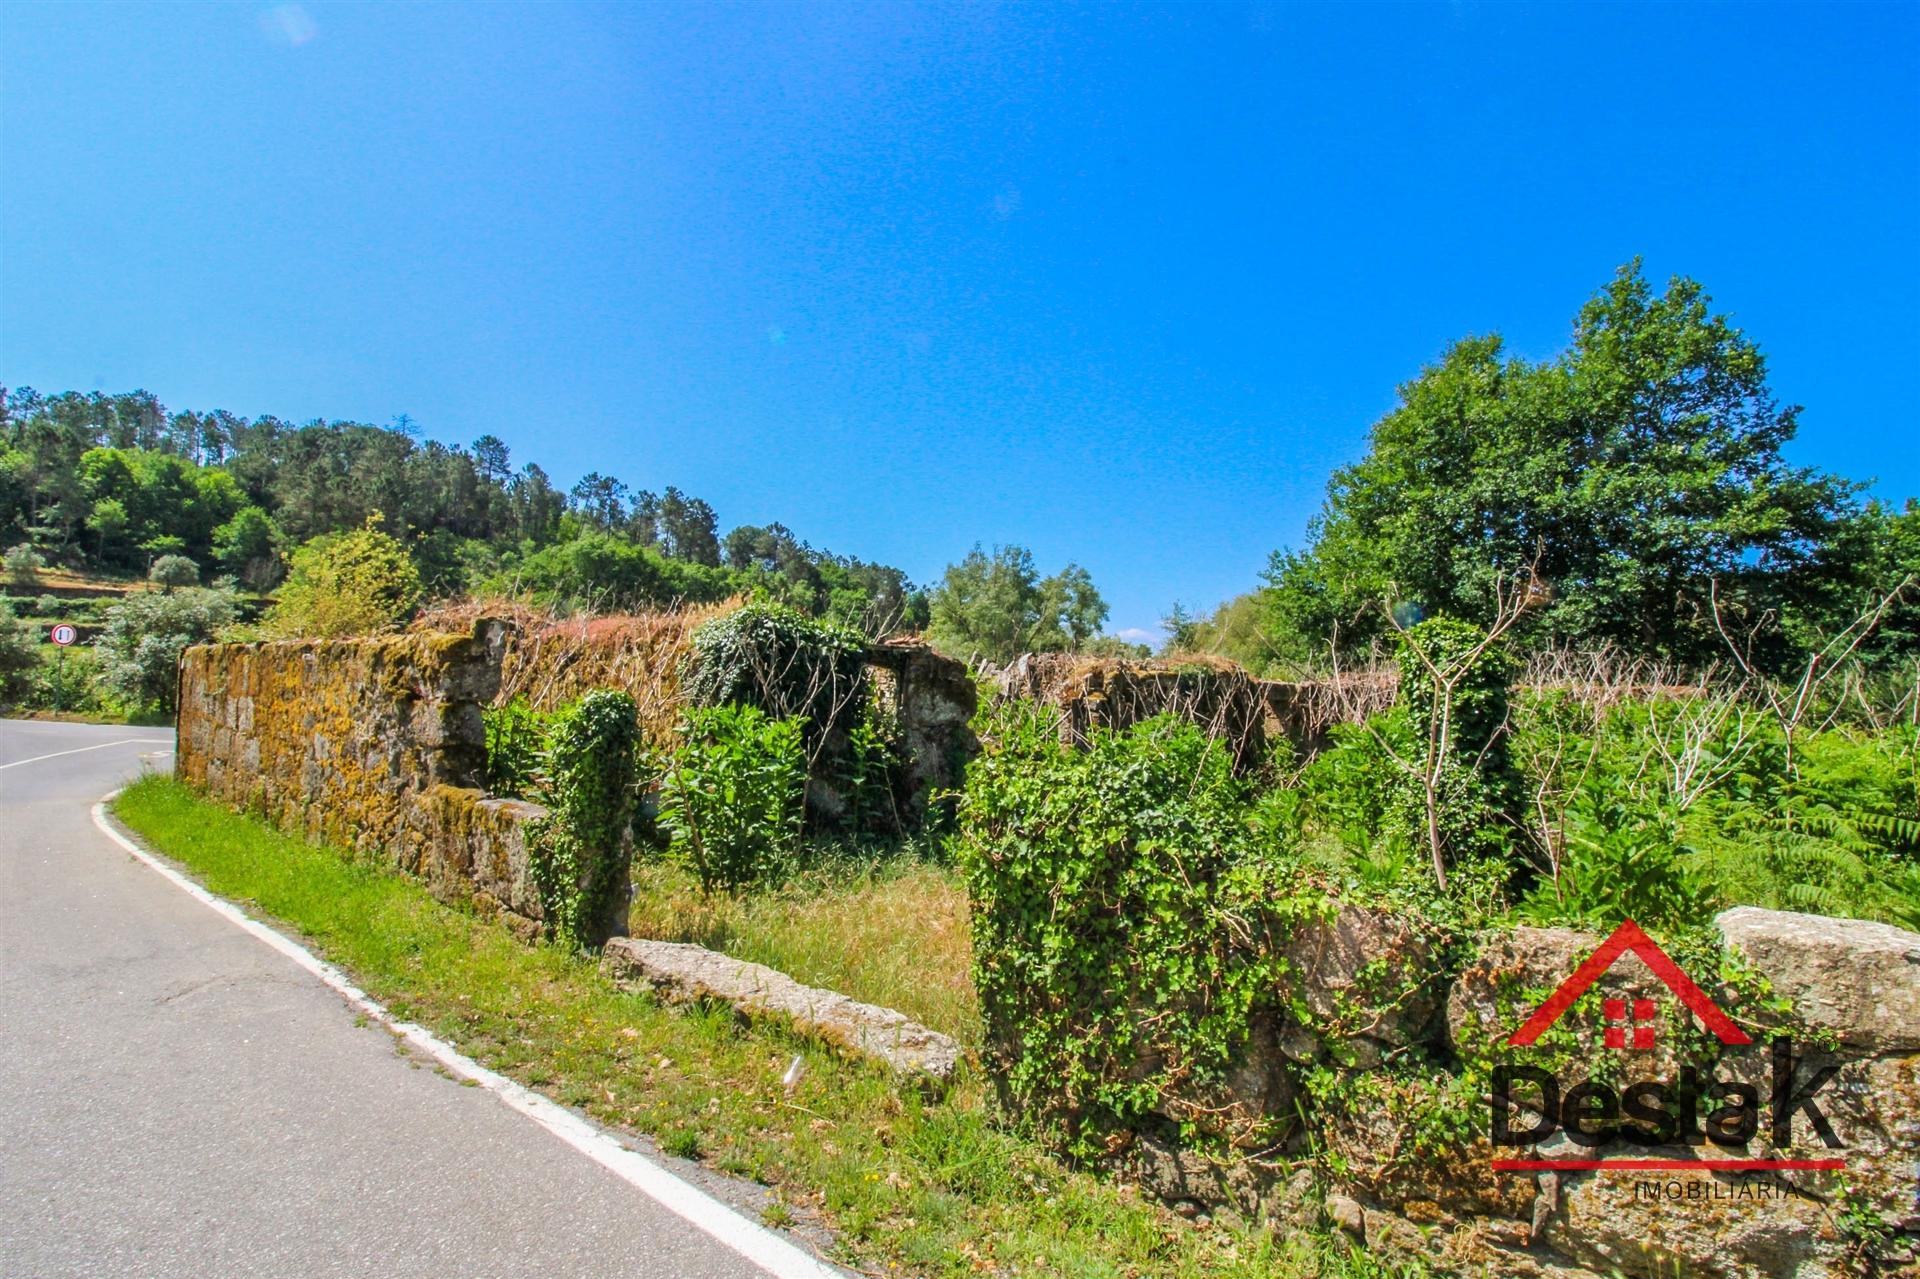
[[64, 634]]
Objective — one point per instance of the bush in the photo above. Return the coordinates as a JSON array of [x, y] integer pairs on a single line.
[[23, 565], [516, 749], [783, 662], [590, 771], [732, 796], [145, 634], [1124, 918], [47, 606], [67, 682], [170, 571], [356, 583], [19, 656]]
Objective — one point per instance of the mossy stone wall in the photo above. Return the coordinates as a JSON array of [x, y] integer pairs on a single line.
[[375, 745]]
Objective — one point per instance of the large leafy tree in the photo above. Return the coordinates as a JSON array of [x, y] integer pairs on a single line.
[[994, 607], [1629, 473]]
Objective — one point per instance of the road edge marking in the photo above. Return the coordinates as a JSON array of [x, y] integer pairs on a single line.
[[750, 1239], [100, 746]]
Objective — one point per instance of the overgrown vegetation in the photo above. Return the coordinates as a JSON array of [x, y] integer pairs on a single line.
[[909, 1184], [1133, 899], [1122, 918], [732, 796], [588, 780], [784, 663]]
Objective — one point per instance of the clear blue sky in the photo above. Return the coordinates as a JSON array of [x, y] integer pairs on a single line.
[[1122, 284]]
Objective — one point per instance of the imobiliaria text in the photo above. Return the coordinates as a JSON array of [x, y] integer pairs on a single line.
[[1694, 1108]]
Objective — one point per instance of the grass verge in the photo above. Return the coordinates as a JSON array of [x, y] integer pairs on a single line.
[[891, 931], [910, 1184]]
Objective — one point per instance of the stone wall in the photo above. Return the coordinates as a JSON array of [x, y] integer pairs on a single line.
[[379, 745], [932, 699], [375, 745], [551, 663], [1213, 693], [1394, 1140]]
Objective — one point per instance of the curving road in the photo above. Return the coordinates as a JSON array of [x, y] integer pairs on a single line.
[[178, 1099]]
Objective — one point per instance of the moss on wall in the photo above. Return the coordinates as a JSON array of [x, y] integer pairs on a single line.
[[374, 745]]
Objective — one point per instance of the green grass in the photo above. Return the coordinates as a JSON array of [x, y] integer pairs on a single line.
[[911, 1184], [890, 931]]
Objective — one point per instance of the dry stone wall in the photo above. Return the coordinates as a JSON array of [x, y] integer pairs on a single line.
[[375, 745], [1395, 1141], [379, 745], [1213, 693]]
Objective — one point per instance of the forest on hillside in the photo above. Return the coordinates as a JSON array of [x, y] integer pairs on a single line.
[[1634, 487], [111, 483]]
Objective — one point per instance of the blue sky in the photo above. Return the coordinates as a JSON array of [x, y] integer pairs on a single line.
[[1119, 283]]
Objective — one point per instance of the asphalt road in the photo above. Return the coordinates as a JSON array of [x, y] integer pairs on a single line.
[[178, 1099]]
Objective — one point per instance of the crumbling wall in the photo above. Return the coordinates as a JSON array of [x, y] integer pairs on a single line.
[[379, 745], [552, 662], [1211, 692], [932, 699], [375, 745], [1394, 1139]]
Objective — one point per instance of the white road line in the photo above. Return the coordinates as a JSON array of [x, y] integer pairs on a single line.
[[748, 1238], [81, 750]]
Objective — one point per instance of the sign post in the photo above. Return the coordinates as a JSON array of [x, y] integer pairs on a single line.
[[63, 635]]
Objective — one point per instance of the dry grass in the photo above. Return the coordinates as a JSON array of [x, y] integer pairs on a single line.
[[553, 660], [892, 932]]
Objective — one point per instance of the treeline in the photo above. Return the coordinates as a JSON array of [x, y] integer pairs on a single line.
[[1633, 489], [116, 482]]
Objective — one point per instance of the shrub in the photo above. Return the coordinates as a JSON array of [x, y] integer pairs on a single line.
[[67, 683], [783, 662], [516, 748], [19, 656], [355, 583], [23, 565], [590, 772], [870, 775], [1460, 801], [732, 795], [145, 634], [47, 606], [1123, 918], [170, 571]]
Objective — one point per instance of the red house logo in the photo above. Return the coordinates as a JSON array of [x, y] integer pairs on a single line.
[[1629, 937], [1697, 1108]]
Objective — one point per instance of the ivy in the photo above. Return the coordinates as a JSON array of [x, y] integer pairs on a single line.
[[1124, 920], [589, 777], [786, 663]]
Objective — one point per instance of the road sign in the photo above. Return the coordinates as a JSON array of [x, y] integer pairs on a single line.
[[64, 634]]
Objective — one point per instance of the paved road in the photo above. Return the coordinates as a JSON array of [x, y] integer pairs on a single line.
[[177, 1099]]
